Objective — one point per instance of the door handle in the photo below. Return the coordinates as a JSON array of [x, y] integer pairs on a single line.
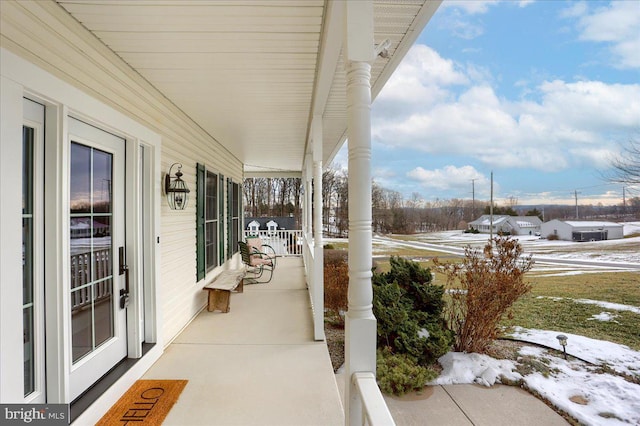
[[124, 269]]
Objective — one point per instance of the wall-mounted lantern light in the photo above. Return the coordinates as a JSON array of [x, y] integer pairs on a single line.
[[176, 189]]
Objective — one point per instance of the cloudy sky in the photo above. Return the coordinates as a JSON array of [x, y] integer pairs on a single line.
[[542, 93]]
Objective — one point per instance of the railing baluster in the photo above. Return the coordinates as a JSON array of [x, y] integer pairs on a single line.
[[286, 242], [80, 275]]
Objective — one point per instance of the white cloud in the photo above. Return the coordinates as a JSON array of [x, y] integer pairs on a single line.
[[576, 10], [448, 178], [618, 24], [422, 68], [465, 30], [525, 3], [571, 123], [421, 79], [460, 17], [384, 175], [591, 106], [470, 7]]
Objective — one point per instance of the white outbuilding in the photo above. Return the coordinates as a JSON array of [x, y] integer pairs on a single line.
[[573, 230], [511, 225]]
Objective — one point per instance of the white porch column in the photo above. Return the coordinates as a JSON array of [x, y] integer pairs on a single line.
[[303, 202], [308, 191], [318, 252], [360, 327]]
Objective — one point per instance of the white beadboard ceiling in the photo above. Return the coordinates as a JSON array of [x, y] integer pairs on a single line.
[[251, 73]]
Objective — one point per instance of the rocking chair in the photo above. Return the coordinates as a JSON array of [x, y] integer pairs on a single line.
[[256, 263]]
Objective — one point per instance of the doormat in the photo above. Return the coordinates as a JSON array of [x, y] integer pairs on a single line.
[[147, 402]]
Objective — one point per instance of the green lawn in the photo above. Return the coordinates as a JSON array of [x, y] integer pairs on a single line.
[[542, 310]]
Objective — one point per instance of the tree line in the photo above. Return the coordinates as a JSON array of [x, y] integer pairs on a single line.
[[392, 213]]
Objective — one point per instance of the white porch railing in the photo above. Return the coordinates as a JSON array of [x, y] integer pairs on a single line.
[[315, 282], [85, 289], [294, 243], [374, 408], [285, 242]]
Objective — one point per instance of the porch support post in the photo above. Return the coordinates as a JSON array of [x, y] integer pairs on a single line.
[[318, 253], [308, 190], [360, 325], [303, 202]]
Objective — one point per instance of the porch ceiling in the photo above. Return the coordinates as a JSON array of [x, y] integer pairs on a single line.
[[251, 73]]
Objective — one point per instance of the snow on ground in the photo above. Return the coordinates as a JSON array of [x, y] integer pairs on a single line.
[[606, 305], [573, 386], [570, 273], [615, 251], [631, 228], [584, 391], [586, 395], [459, 368], [604, 316], [619, 357]]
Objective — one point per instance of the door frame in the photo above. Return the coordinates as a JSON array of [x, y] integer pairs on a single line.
[[99, 360], [20, 78], [35, 120]]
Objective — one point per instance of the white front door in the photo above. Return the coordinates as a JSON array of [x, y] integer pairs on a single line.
[[97, 272]]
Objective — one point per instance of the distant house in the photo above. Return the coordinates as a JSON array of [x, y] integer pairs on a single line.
[[513, 225], [281, 233], [582, 230], [254, 224]]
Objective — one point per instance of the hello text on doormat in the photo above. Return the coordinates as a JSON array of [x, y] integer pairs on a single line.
[[147, 402]]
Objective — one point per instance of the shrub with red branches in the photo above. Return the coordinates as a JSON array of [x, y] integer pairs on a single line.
[[482, 289]]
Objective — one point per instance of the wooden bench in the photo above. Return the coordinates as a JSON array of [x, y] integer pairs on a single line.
[[220, 289]]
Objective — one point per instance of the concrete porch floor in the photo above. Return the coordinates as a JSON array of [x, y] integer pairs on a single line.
[[257, 364]]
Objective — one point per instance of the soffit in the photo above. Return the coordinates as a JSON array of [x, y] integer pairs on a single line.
[[246, 71]]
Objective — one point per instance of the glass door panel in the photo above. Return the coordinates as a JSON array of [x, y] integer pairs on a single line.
[[91, 249], [27, 260]]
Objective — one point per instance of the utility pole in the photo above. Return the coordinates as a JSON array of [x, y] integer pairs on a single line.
[[624, 201], [491, 212], [576, 195], [473, 199]]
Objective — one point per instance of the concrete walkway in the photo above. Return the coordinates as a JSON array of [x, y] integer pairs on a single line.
[[465, 405], [469, 405], [257, 364]]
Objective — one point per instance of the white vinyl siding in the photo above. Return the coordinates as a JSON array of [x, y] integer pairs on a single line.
[[57, 43]]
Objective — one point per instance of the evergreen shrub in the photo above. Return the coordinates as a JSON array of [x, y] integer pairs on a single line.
[[399, 374], [409, 312]]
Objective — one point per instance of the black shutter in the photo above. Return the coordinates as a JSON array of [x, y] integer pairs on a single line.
[[221, 218], [200, 203]]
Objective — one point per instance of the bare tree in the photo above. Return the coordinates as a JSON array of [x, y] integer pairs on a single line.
[[272, 196], [626, 167], [329, 181], [342, 202]]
